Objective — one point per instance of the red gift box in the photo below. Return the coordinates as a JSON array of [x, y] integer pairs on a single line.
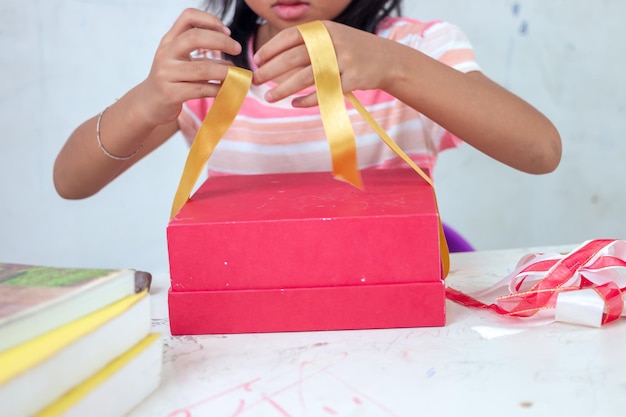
[[303, 251]]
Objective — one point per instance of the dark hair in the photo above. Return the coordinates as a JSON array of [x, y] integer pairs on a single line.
[[243, 22]]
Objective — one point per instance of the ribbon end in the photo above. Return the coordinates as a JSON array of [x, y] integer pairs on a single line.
[[354, 179], [444, 252], [177, 206]]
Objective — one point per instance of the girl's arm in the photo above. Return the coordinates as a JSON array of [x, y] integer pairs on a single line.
[[477, 110], [81, 169], [468, 105], [146, 116]]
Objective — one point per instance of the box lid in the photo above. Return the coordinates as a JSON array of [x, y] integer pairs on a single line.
[[252, 198], [305, 229]]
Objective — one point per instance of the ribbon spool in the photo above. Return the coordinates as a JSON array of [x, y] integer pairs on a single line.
[[333, 112]]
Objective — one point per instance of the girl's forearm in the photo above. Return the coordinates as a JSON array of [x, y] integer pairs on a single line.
[[82, 168], [477, 110]]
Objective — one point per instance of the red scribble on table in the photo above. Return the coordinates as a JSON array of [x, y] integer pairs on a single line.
[[301, 373], [367, 397], [186, 413], [293, 383], [276, 406], [242, 404]]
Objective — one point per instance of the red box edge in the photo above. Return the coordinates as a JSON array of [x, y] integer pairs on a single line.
[[406, 305]]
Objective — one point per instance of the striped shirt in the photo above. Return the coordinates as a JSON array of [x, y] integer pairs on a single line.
[[276, 137]]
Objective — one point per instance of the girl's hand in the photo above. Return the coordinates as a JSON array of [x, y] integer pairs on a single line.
[[176, 76], [285, 60]]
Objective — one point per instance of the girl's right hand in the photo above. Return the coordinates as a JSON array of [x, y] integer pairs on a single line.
[[176, 76]]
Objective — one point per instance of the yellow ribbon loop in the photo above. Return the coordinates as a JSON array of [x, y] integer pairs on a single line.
[[333, 110], [443, 244], [225, 107], [334, 115]]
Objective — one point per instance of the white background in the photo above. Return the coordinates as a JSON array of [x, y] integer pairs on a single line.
[[63, 61]]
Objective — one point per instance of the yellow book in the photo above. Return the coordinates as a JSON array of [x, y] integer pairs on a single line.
[[117, 388], [36, 373]]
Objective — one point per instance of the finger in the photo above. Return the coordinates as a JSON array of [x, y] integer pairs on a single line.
[[291, 59], [203, 39], [199, 89], [283, 41], [297, 82], [195, 18], [181, 92], [199, 71], [310, 100]]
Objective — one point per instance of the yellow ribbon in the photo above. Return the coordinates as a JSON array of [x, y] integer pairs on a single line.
[[443, 244], [333, 110], [334, 118], [225, 107]]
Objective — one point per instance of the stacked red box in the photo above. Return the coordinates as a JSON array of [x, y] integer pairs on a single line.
[[303, 252]]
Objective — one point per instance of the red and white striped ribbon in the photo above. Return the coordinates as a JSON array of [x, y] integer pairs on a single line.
[[585, 286]]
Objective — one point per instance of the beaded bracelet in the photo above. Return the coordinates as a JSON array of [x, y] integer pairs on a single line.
[[101, 146]]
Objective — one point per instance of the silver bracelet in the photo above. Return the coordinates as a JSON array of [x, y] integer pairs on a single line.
[[101, 146]]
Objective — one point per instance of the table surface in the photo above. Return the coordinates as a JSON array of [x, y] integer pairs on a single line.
[[458, 369]]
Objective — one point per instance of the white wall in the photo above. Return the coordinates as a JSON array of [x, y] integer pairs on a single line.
[[63, 61], [567, 58]]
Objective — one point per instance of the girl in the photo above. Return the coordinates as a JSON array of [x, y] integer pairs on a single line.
[[419, 80]]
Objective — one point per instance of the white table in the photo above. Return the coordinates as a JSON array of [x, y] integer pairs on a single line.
[[554, 370]]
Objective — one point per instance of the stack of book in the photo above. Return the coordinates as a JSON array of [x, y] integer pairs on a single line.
[[75, 342]]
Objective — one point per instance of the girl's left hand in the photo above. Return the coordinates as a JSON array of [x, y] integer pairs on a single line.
[[361, 56]]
